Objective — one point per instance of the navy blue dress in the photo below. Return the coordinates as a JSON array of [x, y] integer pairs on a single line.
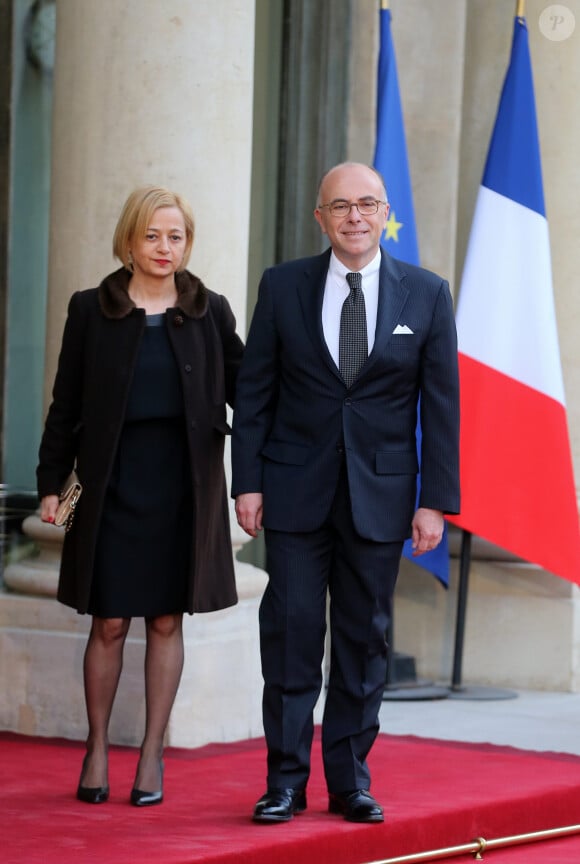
[[144, 543]]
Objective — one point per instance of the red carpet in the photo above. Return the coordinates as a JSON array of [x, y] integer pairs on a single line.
[[436, 795]]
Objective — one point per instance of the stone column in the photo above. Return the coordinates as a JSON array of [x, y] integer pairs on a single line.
[[149, 92], [145, 92]]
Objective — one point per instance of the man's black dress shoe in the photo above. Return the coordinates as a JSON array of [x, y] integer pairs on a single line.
[[356, 806], [279, 805]]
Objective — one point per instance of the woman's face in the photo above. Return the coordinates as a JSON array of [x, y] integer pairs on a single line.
[[160, 252]]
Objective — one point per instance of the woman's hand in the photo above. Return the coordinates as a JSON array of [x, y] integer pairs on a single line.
[[48, 508]]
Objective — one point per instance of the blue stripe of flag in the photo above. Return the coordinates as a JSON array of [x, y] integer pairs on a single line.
[[513, 167]]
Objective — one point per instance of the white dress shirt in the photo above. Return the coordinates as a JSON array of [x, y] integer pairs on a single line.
[[336, 291]]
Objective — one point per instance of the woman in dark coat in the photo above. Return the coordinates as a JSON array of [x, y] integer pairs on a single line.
[[148, 361]]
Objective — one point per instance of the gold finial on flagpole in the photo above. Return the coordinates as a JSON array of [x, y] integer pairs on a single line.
[[384, 4], [520, 8]]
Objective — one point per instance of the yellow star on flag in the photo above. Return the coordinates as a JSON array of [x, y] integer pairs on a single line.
[[392, 228]]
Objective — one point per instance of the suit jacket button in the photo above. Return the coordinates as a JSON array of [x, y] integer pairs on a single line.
[[178, 321], [347, 401], [187, 367]]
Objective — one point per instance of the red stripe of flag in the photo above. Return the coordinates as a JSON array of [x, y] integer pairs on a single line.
[[516, 469]]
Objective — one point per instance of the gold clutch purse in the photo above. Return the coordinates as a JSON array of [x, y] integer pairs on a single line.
[[68, 501]]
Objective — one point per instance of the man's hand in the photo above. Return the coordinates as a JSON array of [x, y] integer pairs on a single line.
[[249, 510], [427, 530]]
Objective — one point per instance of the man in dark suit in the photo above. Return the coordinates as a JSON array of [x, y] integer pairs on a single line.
[[324, 458]]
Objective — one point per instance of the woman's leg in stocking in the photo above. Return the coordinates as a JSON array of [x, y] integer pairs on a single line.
[[102, 669], [163, 667]]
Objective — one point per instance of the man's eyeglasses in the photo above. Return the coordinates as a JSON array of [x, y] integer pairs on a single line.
[[366, 207]]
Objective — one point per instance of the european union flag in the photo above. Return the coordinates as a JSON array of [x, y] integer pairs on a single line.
[[400, 236]]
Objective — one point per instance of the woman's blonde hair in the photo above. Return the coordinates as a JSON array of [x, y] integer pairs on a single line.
[[136, 216]]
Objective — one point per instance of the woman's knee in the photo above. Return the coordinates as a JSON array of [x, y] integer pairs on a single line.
[[165, 626], [109, 630]]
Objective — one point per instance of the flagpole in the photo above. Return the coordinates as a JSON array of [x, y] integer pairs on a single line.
[[457, 690], [462, 591], [520, 8]]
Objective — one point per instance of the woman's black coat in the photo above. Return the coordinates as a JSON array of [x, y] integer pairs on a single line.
[[97, 359]]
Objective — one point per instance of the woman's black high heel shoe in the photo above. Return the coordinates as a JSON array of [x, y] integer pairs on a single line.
[[140, 798], [91, 794]]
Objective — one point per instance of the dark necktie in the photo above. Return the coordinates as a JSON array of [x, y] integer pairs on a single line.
[[353, 346]]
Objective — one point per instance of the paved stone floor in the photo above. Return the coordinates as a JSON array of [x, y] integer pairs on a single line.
[[531, 720]]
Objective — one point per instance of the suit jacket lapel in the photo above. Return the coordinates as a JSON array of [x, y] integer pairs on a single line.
[[311, 295], [392, 297]]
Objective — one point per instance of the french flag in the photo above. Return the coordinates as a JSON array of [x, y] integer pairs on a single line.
[[517, 480]]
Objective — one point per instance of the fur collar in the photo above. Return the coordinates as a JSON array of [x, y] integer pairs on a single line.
[[114, 300]]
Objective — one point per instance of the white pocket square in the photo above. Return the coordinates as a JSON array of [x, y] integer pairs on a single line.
[[402, 328]]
